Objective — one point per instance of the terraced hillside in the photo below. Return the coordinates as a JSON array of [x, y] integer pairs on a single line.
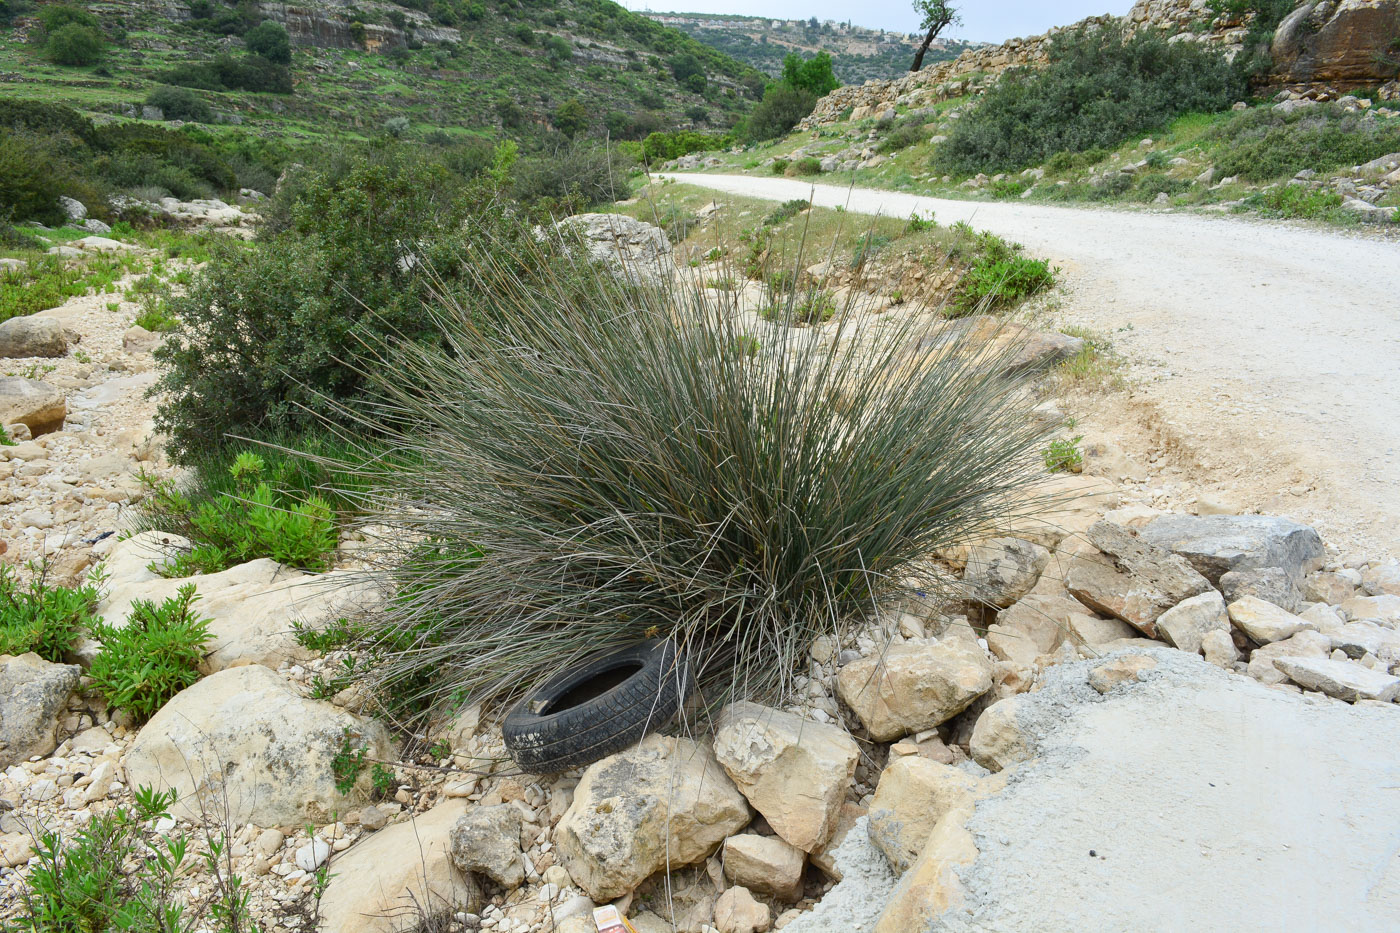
[[480, 66]]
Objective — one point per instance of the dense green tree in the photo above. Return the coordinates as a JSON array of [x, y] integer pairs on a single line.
[[73, 44], [571, 118], [269, 40], [813, 75]]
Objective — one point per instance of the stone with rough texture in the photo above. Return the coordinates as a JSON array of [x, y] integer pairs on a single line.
[[33, 695], [1305, 644], [1349, 43], [738, 911], [138, 340], [665, 802], [37, 405], [1120, 670], [1094, 631], [1343, 680], [244, 738], [251, 607], [1218, 544], [1380, 580], [1219, 649], [793, 771], [1002, 570], [1187, 623], [1358, 639], [487, 839], [1169, 772], [1132, 580], [33, 335], [912, 796], [1034, 626], [1327, 587], [998, 740], [1265, 622], [914, 686], [765, 864], [1383, 608], [633, 249], [1271, 584], [72, 207], [377, 882]]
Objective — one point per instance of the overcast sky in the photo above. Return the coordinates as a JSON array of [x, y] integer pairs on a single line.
[[987, 21]]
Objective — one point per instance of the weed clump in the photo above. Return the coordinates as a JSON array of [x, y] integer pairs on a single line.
[[43, 618], [154, 656]]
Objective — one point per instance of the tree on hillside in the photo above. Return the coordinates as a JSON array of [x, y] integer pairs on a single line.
[[269, 40], [813, 75], [937, 15], [71, 35]]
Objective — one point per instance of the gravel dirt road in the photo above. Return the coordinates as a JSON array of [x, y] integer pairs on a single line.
[[1263, 357]]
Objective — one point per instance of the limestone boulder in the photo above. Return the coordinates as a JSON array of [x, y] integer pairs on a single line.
[[1034, 626], [1002, 570], [245, 739], [34, 404], [1343, 680], [738, 911], [487, 839], [793, 771], [1305, 644], [137, 340], [381, 879], [33, 695], [999, 739], [1265, 622], [1358, 639], [1186, 624], [1380, 580], [914, 686], [914, 793], [31, 335], [1132, 579], [1271, 584], [1218, 544], [765, 864], [632, 249], [252, 608], [1327, 587], [664, 803], [1383, 608]]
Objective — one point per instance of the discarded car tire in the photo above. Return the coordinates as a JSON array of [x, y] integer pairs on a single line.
[[593, 711]]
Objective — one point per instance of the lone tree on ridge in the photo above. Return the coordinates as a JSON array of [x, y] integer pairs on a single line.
[[937, 15]]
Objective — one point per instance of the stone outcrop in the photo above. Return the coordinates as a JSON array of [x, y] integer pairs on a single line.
[[32, 695], [631, 249], [37, 405], [1347, 44], [915, 686], [31, 335], [1218, 544]]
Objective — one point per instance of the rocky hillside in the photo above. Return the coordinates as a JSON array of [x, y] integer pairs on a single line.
[[858, 54], [470, 67], [1344, 46]]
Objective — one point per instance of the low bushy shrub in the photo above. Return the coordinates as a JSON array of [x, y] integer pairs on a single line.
[[997, 277], [1098, 89], [178, 103], [227, 73], [1297, 201], [904, 134], [782, 106], [40, 617], [808, 165], [1263, 144], [154, 656]]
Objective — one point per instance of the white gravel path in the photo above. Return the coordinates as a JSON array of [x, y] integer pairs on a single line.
[[1270, 338]]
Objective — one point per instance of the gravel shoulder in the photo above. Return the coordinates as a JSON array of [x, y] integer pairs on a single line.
[[1264, 356]]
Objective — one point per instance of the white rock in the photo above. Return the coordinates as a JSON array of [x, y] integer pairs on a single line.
[[487, 839], [765, 864], [915, 686], [312, 855], [1187, 623], [737, 911], [768, 753], [1341, 679], [1264, 622]]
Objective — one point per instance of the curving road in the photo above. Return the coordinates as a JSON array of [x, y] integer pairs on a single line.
[[1274, 347]]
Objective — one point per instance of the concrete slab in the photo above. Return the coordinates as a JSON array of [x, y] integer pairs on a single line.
[[1194, 800]]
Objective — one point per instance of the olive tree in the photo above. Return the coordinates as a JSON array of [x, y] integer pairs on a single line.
[[937, 15]]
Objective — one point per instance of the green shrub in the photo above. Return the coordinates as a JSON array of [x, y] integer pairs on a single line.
[[813, 75], [780, 166], [782, 106], [1297, 201], [227, 73], [1098, 89], [810, 165], [157, 318], [810, 496], [1064, 455], [154, 656], [34, 172], [1264, 144], [572, 117], [272, 335], [1065, 162], [570, 179], [74, 45], [42, 618], [178, 103], [662, 147], [903, 136], [998, 276], [814, 307], [786, 211], [269, 40]]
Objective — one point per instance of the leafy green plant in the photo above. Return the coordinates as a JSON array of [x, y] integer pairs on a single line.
[[1064, 455], [808, 165], [154, 656], [383, 780], [780, 166], [347, 763], [797, 493], [786, 211], [156, 317], [995, 283], [246, 520], [816, 307], [1297, 201], [43, 618], [1264, 144], [917, 224]]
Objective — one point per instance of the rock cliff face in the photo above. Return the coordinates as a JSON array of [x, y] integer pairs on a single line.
[[1347, 43]]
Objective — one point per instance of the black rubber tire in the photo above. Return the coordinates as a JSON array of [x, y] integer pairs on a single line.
[[545, 738]]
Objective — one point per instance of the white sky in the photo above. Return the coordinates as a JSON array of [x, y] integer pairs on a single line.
[[993, 21]]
